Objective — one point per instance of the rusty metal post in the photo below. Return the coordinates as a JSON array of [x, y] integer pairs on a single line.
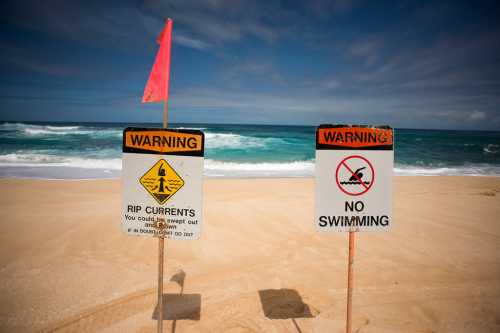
[[160, 284], [350, 282]]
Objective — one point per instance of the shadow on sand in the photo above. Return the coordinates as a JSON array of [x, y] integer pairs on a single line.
[[179, 306], [284, 304]]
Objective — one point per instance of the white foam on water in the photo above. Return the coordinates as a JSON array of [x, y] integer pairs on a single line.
[[491, 149], [191, 128], [215, 168], [29, 130], [469, 170], [43, 132], [236, 141], [46, 160]]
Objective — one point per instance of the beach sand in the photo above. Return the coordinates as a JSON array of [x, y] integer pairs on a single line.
[[259, 266]]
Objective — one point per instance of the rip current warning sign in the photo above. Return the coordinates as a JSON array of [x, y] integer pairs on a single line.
[[354, 168], [161, 181], [162, 177]]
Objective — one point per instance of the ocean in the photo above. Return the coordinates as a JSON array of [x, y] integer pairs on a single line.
[[93, 150]]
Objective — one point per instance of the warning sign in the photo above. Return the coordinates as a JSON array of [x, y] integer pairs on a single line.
[[162, 178], [354, 166], [161, 181]]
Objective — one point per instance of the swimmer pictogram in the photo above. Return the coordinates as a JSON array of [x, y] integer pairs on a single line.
[[354, 175]]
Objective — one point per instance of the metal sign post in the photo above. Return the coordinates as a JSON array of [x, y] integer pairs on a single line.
[[161, 246], [160, 284], [350, 281]]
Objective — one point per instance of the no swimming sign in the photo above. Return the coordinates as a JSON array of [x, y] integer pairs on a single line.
[[354, 167]]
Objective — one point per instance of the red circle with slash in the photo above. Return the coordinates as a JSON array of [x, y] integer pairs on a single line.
[[356, 184]]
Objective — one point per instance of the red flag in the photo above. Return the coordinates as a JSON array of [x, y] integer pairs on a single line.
[[156, 89]]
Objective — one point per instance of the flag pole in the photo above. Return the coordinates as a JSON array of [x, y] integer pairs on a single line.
[[165, 114], [153, 93], [161, 241], [350, 282]]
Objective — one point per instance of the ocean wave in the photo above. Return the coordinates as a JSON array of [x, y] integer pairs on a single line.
[[24, 127], [29, 130], [466, 170], [46, 160], [44, 132], [491, 149], [191, 128], [236, 141], [47, 164], [214, 168]]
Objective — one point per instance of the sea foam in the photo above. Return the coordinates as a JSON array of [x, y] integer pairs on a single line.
[[46, 160], [237, 141], [214, 168], [32, 131]]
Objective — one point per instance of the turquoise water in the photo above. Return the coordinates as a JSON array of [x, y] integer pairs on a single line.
[[93, 150]]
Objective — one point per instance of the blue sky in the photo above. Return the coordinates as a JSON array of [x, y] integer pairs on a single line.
[[413, 64]]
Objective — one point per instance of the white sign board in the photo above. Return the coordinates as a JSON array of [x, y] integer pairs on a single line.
[[354, 168], [162, 176]]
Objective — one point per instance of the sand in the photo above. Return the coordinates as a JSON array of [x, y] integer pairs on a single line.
[[259, 266]]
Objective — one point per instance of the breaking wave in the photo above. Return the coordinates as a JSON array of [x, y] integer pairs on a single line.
[[491, 149], [215, 168], [38, 164], [467, 170], [46, 160], [33, 131], [236, 141]]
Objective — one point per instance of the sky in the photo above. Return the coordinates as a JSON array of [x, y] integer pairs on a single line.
[[408, 64]]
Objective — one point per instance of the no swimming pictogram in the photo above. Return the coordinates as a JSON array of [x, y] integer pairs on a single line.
[[355, 175]]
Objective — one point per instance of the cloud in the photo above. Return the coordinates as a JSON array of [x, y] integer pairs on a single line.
[[368, 49], [409, 111], [190, 42], [477, 115], [125, 24], [458, 63], [104, 24], [330, 84], [216, 22], [29, 59], [325, 7], [32, 59], [263, 70]]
